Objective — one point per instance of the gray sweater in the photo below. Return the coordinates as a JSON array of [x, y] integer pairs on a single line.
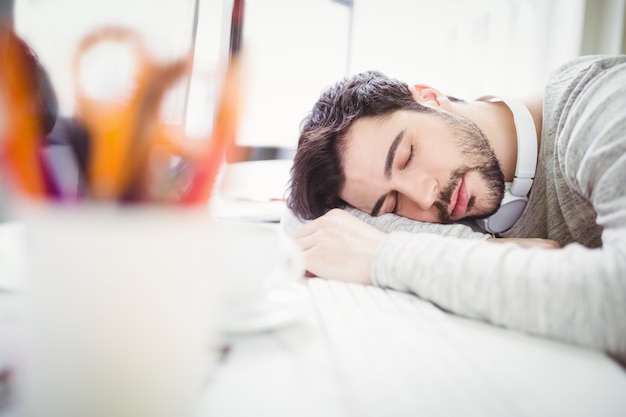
[[575, 294]]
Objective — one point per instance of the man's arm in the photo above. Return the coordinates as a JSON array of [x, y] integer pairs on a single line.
[[341, 246], [572, 294], [392, 222]]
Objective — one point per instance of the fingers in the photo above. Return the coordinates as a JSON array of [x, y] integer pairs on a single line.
[[549, 244], [304, 242], [528, 242], [329, 221], [305, 230], [339, 246]]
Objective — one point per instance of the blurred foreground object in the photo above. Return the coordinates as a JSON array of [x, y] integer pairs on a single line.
[[28, 110], [131, 155]]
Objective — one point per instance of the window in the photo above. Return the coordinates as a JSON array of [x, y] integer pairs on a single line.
[[53, 28], [294, 49], [467, 48]]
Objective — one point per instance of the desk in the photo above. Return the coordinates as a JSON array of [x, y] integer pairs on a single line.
[[287, 371], [291, 370], [303, 378]]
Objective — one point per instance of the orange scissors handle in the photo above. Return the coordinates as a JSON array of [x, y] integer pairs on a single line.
[[126, 133], [110, 122], [122, 129]]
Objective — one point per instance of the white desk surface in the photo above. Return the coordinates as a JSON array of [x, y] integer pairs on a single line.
[[287, 371], [290, 371]]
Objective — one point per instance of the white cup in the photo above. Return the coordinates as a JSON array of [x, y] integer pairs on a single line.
[[254, 259], [123, 312]]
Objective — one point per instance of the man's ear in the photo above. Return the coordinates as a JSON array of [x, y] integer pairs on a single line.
[[426, 95]]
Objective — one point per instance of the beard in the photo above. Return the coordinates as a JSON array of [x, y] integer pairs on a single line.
[[475, 148], [491, 175]]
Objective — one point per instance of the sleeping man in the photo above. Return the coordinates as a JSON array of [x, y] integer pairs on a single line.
[[407, 188]]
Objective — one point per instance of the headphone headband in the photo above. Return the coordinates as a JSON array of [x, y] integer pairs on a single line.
[[526, 147], [515, 197]]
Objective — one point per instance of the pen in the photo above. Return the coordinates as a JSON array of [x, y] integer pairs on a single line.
[[225, 129], [223, 134], [22, 131], [146, 130]]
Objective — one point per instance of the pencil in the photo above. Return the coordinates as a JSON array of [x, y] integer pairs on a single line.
[[22, 133], [225, 129]]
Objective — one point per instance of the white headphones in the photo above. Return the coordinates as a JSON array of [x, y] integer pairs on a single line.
[[515, 195]]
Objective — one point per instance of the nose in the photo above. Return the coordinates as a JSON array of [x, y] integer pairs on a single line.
[[420, 188]]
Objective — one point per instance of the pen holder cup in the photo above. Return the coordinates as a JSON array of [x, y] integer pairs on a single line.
[[122, 312]]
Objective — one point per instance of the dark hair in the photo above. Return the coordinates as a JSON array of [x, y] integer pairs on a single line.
[[317, 174]]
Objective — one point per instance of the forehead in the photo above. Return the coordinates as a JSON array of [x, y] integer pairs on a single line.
[[367, 144], [365, 141], [368, 131]]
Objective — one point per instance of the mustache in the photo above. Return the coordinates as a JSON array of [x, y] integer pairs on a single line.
[[445, 195], [494, 179]]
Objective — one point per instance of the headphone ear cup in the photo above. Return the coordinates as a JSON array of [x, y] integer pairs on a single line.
[[509, 212]]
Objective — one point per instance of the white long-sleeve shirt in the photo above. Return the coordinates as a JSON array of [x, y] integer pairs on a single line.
[[575, 294]]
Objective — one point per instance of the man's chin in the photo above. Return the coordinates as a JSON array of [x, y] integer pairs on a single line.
[[474, 212], [482, 215]]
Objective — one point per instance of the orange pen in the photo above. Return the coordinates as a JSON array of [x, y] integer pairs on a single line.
[[225, 129], [21, 136], [223, 135]]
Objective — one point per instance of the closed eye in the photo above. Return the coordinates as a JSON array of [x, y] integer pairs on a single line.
[[395, 203], [410, 157]]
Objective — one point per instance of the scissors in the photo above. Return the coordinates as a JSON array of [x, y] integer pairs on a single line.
[[129, 138]]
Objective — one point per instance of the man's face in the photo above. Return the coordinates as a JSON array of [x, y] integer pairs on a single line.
[[430, 167]]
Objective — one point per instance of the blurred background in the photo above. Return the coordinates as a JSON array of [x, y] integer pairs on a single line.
[[293, 49]]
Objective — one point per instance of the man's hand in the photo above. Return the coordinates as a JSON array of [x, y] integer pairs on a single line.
[[527, 242], [339, 246]]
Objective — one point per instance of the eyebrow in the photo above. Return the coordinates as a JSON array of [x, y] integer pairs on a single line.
[[378, 205], [391, 155]]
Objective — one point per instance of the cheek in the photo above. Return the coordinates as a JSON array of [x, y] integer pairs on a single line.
[[440, 161], [361, 194], [414, 212]]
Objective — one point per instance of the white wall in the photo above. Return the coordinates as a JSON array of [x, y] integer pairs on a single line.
[[467, 47], [55, 27], [604, 27], [293, 49]]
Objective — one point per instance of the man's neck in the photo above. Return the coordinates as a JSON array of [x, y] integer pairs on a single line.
[[496, 121]]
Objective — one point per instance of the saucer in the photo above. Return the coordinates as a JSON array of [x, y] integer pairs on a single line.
[[283, 304]]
